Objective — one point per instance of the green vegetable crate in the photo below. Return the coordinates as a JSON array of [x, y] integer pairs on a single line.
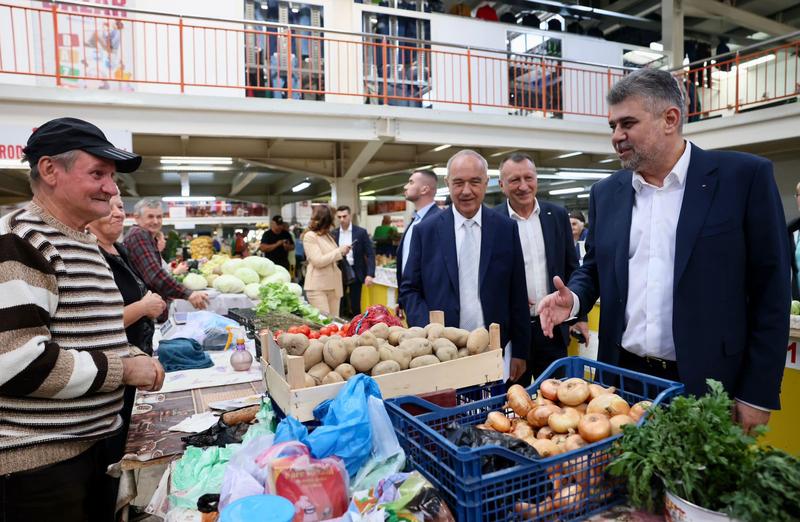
[[514, 487]]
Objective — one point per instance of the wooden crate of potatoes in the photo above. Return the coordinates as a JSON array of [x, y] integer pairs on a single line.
[[301, 373]]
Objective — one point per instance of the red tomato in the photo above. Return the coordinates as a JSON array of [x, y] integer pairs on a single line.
[[304, 329], [314, 335], [335, 328], [294, 329], [325, 331]]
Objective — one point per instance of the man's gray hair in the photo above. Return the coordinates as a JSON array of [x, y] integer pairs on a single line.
[[145, 203], [471, 153], [659, 90], [65, 159]]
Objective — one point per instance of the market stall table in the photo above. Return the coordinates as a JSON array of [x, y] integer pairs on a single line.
[[217, 302]]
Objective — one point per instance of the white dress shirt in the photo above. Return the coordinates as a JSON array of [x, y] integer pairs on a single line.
[[346, 238], [460, 232], [418, 216], [651, 263], [532, 241]]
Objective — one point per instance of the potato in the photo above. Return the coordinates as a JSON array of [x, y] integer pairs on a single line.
[[442, 342], [423, 360], [433, 331], [334, 353], [332, 377], [394, 334], [385, 367], [310, 382], [463, 352], [313, 353], [457, 336], [417, 346], [350, 343], [319, 371], [478, 341], [367, 339], [364, 358], [413, 333], [323, 339], [345, 370], [446, 353], [401, 357], [385, 352], [380, 330], [294, 344]]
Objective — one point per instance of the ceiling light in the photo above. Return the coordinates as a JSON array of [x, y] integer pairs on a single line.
[[656, 46], [440, 171], [12, 164], [440, 148], [561, 192], [367, 193], [502, 153], [757, 61], [760, 35], [583, 195], [368, 198], [195, 160], [568, 155], [425, 167], [188, 198], [301, 186], [583, 175], [607, 160], [194, 168]]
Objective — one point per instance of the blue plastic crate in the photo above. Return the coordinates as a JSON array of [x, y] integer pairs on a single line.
[[527, 489]]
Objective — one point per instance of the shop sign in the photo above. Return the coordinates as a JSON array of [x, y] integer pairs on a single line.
[[14, 137]]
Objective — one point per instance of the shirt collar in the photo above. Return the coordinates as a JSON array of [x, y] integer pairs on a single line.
[[513, 214], [459, 219], [346, 230], [676, 175], [424, 210]]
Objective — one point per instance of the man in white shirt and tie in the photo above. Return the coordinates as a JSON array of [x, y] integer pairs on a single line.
[[467, 262], [420, 190], [546, 238]]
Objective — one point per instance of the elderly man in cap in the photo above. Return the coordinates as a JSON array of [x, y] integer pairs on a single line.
[[64, 356]]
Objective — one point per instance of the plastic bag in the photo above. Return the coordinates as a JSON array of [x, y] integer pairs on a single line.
[[199, 324], [387, 456], [199, 471], [243, 477], [345, 431], [318, 488], [475, 438], [401, 496]]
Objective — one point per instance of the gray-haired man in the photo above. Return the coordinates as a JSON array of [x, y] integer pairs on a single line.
[[140, 242]]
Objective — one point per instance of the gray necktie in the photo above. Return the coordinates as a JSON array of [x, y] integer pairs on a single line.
[[468, 262]]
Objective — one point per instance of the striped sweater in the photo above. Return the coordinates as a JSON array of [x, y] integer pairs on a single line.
[[61, 342]]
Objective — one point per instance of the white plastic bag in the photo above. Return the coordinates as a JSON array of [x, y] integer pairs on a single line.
[[243, 477]]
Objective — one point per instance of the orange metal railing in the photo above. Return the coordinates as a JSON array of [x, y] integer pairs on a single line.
[[64, 45]]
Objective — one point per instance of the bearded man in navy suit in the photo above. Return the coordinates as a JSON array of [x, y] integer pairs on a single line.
[[687, 251]]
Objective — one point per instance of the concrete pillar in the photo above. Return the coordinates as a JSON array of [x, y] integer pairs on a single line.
[[344, 53], [672, 30], [345, 192], [274, 204]]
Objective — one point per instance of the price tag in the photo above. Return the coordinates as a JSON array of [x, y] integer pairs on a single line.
[[792, 356]]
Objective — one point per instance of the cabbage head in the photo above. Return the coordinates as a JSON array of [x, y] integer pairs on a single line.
[[195, 282], [296, 289], [261, 265], [246, 275], [231, 265], [228, 284], [278, 277], [251, 290]]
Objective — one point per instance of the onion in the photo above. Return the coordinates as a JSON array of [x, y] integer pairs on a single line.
[[582, 408], [545, 448], [609, 404], [639, 409], [598, 389], [564, 421], [484, 427], [537, 417], [519, 400], [545, 433], [574, 442], [573, 391], [540, 400], [618, 421], [498, 421], [549, 388], [569, 498], [521, 430], [594, 427]]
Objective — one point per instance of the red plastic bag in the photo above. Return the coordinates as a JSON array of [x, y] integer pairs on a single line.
[[373, 315]]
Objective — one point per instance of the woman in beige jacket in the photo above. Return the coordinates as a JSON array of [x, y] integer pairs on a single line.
[[323, 284]]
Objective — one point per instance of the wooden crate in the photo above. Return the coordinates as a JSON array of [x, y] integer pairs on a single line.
[[299, 402]]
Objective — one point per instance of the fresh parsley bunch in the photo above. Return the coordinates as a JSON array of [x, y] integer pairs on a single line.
[[694, 449]]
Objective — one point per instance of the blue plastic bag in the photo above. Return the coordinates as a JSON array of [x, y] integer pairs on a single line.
[[345, 432]]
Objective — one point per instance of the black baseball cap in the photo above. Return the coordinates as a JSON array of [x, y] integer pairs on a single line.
[[277, 219], [66, 134]]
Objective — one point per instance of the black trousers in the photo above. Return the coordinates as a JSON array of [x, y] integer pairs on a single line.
[[351, 300], [542, 353], [649, 366], [70, 491]]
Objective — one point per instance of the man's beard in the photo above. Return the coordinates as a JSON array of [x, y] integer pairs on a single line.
[[637, 159]]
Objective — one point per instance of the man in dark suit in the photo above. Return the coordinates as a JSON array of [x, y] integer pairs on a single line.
[[688, 254], [547, 248], [421, 191], [361, 257], [467, 261]]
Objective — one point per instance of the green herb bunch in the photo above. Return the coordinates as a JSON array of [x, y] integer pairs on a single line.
[[694, 449]]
